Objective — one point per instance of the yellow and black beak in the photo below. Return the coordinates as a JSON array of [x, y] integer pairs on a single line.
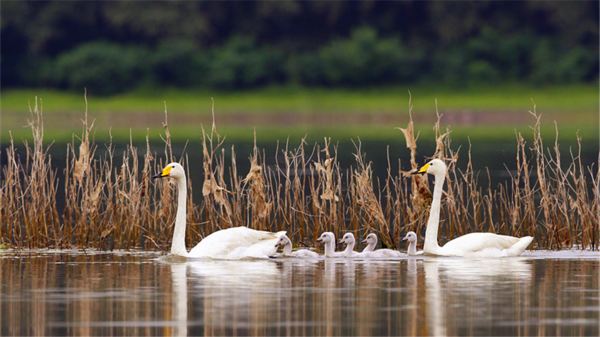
[[165, 173], [422, 170]]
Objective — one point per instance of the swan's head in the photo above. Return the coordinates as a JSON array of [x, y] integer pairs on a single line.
[[434, 167], [326, 237], [283, 241], [371, 239], [173, 170], [348, 238], [411, 237]]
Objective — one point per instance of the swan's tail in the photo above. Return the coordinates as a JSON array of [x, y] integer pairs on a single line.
[[519, 247]]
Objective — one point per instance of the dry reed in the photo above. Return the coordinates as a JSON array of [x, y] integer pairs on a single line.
[[305, 191]]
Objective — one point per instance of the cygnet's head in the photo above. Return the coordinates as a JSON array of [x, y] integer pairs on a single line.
[[283, 241], [434, 167], [371, 239], [348, 238], [326, 237], [172, 170], [411, 237]]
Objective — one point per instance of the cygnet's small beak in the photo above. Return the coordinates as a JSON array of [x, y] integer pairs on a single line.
[[364, 241], [341, 241], [320, 239], [405, 238]]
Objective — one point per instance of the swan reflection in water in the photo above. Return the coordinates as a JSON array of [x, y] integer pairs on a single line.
[[221, 285], [337, 297], [463, 286], [180, 298], [232, 295]]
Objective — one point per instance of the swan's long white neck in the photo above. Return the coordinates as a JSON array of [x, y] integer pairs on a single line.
[[349, 247], [178, 243], [370, 247], [412, 248], [287, 249], [330, 248], [431, 233]]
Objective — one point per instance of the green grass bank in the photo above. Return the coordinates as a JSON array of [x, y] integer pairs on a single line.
[[278, 112]]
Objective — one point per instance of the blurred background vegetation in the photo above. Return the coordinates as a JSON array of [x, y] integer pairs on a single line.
[[300, 67], [115, 46]]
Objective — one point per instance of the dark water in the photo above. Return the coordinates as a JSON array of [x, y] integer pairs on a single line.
[[112, 294]]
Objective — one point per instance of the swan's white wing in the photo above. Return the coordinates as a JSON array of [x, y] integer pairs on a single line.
[[261, 250], [383, 253], [236, 242], [305, 253], [352, 255], [473, 242], [337, 255], [485, 244]]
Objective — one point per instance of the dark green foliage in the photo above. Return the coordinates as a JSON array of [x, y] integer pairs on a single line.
[[366, 59], [101, 67], [241, 64], [232, 45], [550, 63], [179, 63]]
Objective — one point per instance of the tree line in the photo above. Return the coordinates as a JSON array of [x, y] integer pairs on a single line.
[[114, 46]]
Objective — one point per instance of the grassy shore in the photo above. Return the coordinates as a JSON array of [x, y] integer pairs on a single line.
[[280, 112]]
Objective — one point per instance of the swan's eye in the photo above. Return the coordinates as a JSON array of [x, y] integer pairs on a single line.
[[173, 166]]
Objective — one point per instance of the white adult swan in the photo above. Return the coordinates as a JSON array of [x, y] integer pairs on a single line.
[[472, 244], [230, 243], [328, 240], [286, 243], [411, 237], [370, 251]]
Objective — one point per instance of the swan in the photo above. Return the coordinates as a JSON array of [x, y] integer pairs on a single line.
[[286, 243], [231, 243], [328, 239], [370, 251], [349, 240], [472, 244], [412, 244]]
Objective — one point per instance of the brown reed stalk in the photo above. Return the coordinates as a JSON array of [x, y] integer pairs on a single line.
[[421, 195], [257, 198], [40, 215], [11, 215], [368, 202]]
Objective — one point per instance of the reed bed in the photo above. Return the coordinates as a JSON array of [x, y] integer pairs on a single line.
[[304, 191]]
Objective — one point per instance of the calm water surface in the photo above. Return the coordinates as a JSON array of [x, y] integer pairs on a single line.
[[73, 293]]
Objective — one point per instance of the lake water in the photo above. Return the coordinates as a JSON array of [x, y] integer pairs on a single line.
[[134, 293]]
